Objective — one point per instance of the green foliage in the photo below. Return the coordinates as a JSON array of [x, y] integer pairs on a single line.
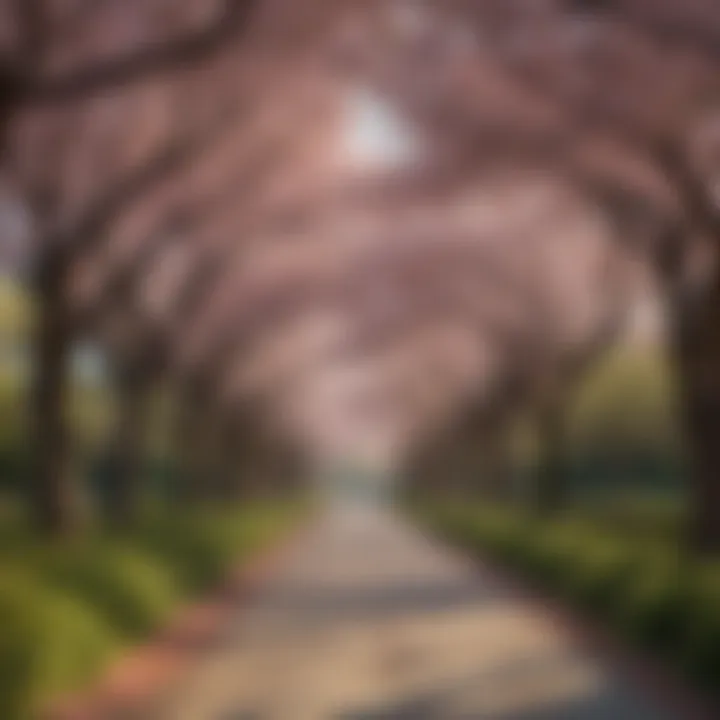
[[626, 405], [15, 308], [13, 422], [597, 580], [653, 606], [198, 546], [635, 515], [623, 431], [64, 609], [638, 584], [623, 428], [49, 642], [701, 640], [130, 589], [193, 549]]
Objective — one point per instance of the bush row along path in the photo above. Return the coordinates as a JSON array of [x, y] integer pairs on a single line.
[[367, 618]]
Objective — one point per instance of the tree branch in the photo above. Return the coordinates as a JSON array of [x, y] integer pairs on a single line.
[[177, 156], [29, 90]]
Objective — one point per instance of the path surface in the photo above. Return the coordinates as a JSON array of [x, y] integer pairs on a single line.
[[370, 620]]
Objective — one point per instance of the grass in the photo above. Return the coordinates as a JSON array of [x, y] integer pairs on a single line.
[[636, 581], [65, 611]]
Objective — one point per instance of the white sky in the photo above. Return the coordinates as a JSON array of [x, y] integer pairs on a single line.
[[376, 136]]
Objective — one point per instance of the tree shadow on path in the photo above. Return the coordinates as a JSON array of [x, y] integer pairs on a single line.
[[475, 697]]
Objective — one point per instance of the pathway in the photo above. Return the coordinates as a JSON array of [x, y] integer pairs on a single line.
[[370, 620]]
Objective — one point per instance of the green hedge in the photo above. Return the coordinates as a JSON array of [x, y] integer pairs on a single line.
[[49, 642], [131, 589], [641, 586], [64, 611]]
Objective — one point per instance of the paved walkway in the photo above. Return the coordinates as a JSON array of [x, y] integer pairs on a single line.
[[370, 620]]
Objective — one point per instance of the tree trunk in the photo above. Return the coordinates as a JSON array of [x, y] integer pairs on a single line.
[[495, 476], [201, 448], [224, 460], [54, 497], [134, 393], [188, 440], [696, 348], [552, 491]]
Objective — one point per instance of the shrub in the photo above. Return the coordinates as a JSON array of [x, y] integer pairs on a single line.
[[190, 557], [63, 609], [200, 546], [640, 585], [197, 550], [549, 556], [653, 604], [594, 570], [49, 643], [701, 642], [498, 532], [131, 590]]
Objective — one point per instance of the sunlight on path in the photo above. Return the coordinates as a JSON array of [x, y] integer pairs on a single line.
[[369, 619]]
